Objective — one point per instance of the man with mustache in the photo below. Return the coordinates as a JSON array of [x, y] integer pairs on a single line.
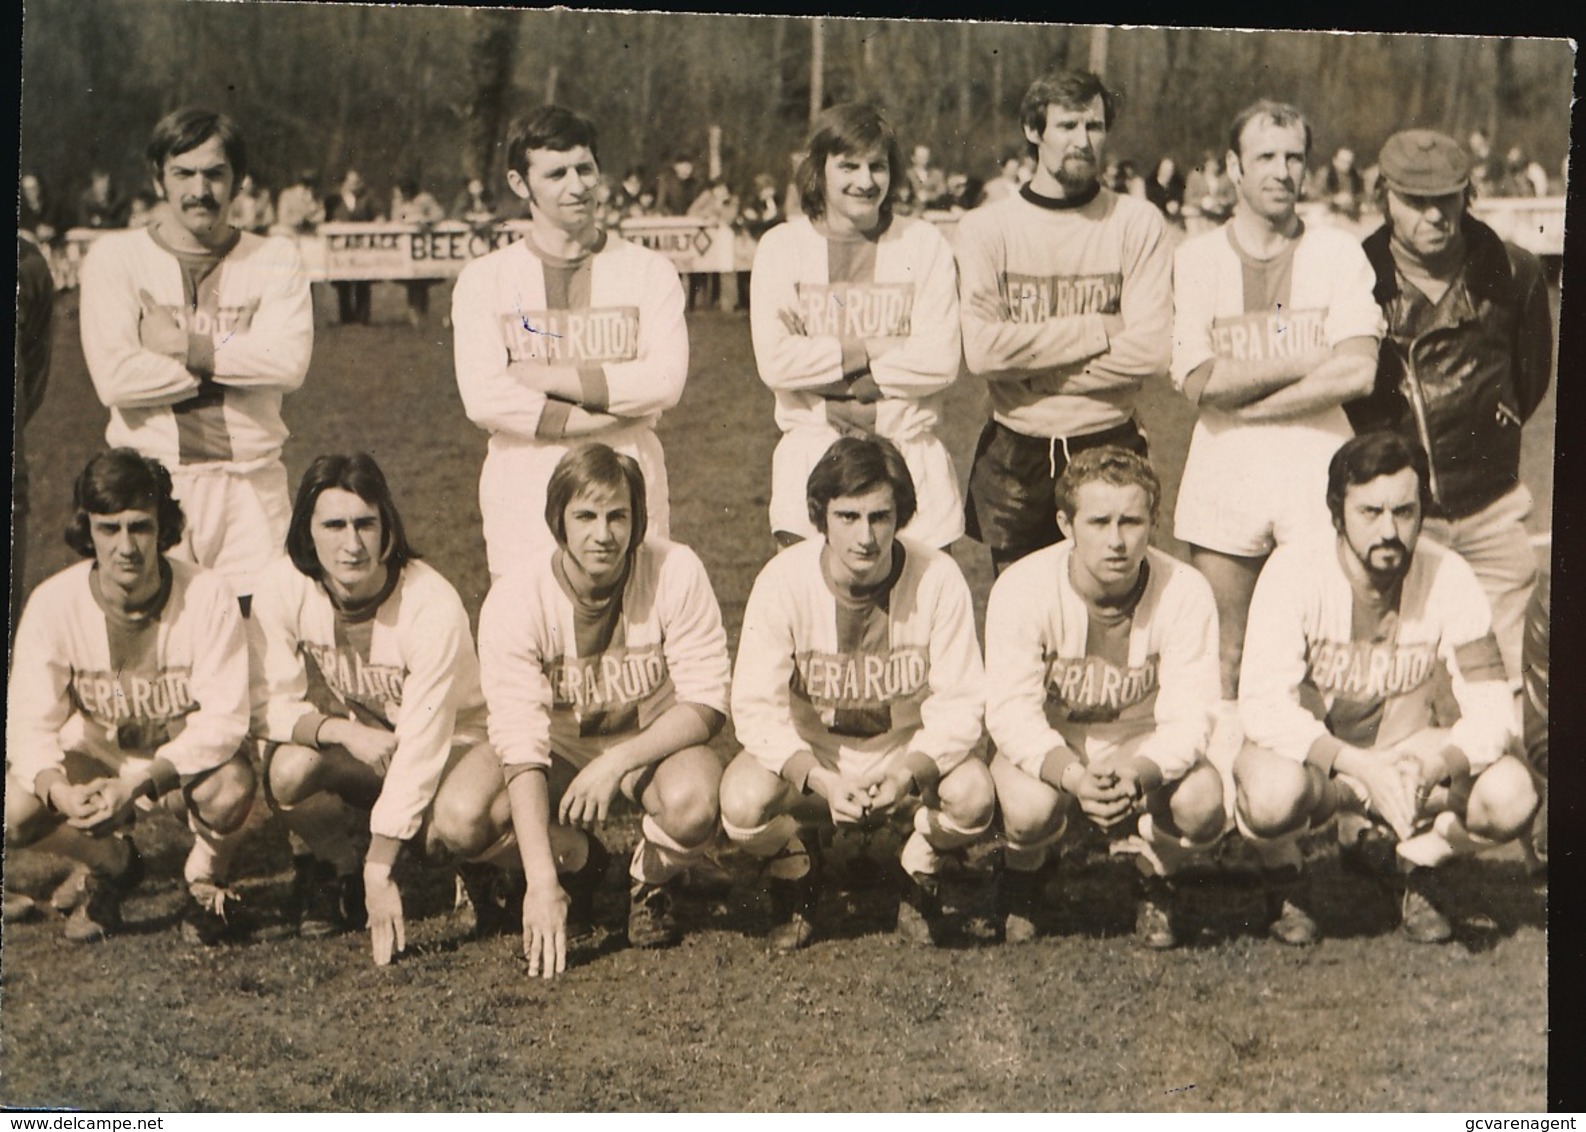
[[193, 332], [1274, 329], [1467, 360], [1066, 303], [1353, 651]]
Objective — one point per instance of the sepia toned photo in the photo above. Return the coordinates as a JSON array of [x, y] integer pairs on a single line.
[[578, 562]]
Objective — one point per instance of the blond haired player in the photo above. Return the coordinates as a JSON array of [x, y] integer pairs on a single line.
[[855, 322], [571, 334], [1350, 650], [857, 695], [1101, 668], [605, 667]]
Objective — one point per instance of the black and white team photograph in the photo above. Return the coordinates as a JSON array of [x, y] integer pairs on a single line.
[[587, 562]]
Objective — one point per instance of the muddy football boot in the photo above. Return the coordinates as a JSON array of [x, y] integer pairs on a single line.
[[1423, 921], [98, 911], [793, 901], [581, 887], [920, 919], [1287, 893]]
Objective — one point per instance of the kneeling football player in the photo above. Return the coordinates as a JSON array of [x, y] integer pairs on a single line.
[[1347, 663], [371, 693], [857, 694], [1101, 669], [605, 667], [129, 685]]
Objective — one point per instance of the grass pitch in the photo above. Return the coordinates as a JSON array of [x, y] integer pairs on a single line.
[[1079, 1021]]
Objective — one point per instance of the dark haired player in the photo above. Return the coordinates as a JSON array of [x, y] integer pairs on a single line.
[[370, 689], [1348, 657], [857, 695], [1101, 670], [129, 685], [193, 332], [1066, 297], [571, 334], [855, 323], [605, 666]]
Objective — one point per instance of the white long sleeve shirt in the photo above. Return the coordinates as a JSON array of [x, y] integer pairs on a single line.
[[573, 681], [250, 332], [1326, 665], [890, 303], [614, 317], [171, 683], [1051, 367], [407, 666], [820, 676], [1052, 688]]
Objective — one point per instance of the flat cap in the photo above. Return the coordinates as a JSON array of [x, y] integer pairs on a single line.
[[1423, 163]]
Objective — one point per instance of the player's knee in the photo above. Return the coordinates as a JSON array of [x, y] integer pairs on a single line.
[[1197, 805], [748, 792], [27, 818], [1502, 800], [224, 798], [1274, 795], [968, 796], [1031, 811], [690, 810], [460, 820], [294, 773]]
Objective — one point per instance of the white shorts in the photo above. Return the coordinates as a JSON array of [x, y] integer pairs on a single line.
[[939, 520], [236, 521], [512, 492], [1250, 488]]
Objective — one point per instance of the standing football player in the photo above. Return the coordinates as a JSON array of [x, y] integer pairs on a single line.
[[129, 686], [193, 332], [1066, 296], [857, 695], [855, 322], [1350, 651], [370, 688], [1467, 360], [1274, 329], [605, 667], [1101, 669], [571, 334]]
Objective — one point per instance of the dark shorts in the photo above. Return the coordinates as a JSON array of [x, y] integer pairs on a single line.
[[1010, 506]]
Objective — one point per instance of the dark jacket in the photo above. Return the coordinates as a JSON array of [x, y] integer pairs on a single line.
[[1463, 376]]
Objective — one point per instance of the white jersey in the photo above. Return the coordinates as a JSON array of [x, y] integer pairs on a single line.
[[568, 677], [250, 330], [1326, 665], [1314, 295], [612, 321], [843, 680], [887, 306], [406, 665], [1060, 678], [171, 682], [1051, 367]]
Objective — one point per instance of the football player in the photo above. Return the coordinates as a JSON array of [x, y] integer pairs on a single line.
[[855, 323], [1350, 655], [571, 334], [605, 667], [128, 687], [193, 332], [1101, 666], [857, 695], [370, 692]]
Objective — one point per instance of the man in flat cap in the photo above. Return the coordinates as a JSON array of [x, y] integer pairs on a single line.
[[1467, 359]]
